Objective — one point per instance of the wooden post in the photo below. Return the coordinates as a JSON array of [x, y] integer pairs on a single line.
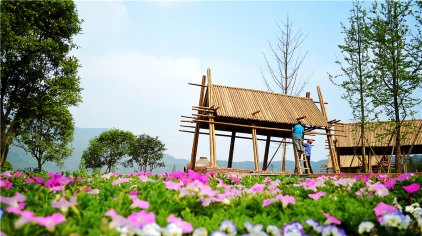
[[196, 134], [333, 154], [255, 149], [267, 150], [233, 138], [211, 124]]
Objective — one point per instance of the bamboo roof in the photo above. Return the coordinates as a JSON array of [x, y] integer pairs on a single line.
[[262, 106], [350, 161], [378, 137]]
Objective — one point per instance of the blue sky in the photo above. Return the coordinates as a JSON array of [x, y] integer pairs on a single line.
[[138, 56]]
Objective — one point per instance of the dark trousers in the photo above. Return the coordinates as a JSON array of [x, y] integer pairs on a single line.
[[309, 163]]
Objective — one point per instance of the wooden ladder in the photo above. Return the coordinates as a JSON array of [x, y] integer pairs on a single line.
[[298, 160]]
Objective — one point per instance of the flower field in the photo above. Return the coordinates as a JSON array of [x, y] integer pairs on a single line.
[[193, 204]]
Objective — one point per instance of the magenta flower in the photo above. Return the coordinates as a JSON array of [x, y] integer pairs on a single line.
[[138, 203], [142, 218], [185, 226], [332, 219], [50, 222], [404, 177], [413, 188], [5, 184], [57, 188], [390, 183], [267, 202], [37, 180], [317, 195]]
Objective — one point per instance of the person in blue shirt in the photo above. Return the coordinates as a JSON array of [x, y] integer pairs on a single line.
[[298, 135], [308, 147]]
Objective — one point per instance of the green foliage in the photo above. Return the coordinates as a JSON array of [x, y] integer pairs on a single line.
[[108, 149], [7, 166], [37, 70], [47, 137], [147, 152]]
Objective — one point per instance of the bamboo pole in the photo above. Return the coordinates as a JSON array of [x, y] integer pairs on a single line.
[[333, 154], [255, 149], [196, 134], [226, 135], [211, 122]]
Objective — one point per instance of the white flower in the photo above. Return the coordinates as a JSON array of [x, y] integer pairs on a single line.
[[365, 227], [409, 209], [172, 230], [201, 231], [228, 227], [273, 230], [151, 230]]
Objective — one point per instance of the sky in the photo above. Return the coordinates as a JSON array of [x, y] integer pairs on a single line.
[[137, 58]]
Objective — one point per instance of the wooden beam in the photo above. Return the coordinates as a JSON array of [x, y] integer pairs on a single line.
[[196, 134], [337, 135], [267, 150], [333, 153], [213, 156], [226, 135], [201, 85], [256, 112], [237, 125], [255, 149], [232, 140]]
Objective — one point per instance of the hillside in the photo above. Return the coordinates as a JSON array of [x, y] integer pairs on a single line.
[[21, 160]]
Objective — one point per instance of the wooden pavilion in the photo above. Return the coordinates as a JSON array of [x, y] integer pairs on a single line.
[[256, 113], [379, 146]]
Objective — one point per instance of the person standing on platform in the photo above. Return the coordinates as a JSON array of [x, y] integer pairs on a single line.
[[297, 136], [308, 147]]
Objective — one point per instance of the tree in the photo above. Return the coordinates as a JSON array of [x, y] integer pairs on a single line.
[[285, 69], [356, 70], [396, 65], [108, 149], [147, 152], [47, 137], [37, 70]]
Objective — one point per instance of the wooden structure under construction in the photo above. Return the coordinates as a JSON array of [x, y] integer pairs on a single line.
[[379, 146], [256, 113]]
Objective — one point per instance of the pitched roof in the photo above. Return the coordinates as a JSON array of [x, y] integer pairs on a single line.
[[241, 103], [375, 134]]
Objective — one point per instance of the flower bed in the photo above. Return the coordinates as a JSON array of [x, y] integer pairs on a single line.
[[193, 204]]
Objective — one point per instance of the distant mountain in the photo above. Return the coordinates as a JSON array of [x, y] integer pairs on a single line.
[[21, 160]]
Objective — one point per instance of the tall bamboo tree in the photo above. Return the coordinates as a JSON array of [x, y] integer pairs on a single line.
[[396, 70], [356, 71]]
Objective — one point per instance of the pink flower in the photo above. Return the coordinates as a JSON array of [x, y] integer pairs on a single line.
[[16, 201], [63, 204], [332, 219], [382, 209], [413, 188], [142, 218], [285, 200], [120, 180], [185, 226], [138, 203], [57, 188], [317, 195], [50, 222], [267, 202], [116, 219], [404, 177], [25, 217], [173, 185]]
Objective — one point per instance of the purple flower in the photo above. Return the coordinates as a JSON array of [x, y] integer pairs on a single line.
[[412, 188], [229, 227], [327, 230], [294, 228], [314, 224]]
